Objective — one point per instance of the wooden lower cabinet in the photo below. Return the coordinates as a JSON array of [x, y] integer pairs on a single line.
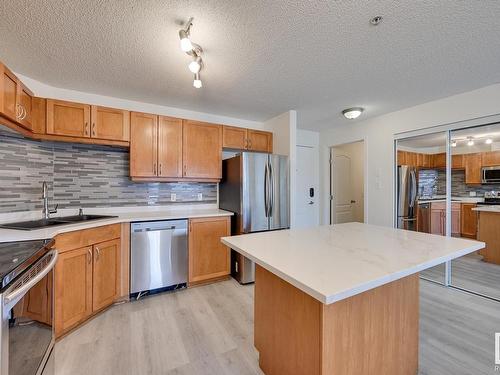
[[438, 218], [73, 288], [469, 221], [208, 258], [105, 274], [88, 278]]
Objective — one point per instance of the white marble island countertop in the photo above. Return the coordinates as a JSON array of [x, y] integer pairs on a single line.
[[332, 263]]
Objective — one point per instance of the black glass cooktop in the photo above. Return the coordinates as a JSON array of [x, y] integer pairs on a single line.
[[15, 257]]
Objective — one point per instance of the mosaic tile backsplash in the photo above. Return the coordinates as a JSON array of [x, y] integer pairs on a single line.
[[433, 182], [80, 176]]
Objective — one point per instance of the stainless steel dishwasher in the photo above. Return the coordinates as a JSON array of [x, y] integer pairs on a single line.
[[159, 256]]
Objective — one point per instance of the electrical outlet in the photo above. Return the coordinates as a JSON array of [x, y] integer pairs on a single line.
[[173, 197], [200, 196]]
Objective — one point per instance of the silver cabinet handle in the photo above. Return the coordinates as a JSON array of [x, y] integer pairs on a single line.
[[98, 252], [89, 256], [18, 111], [160, 170], [266, 190], [93, 129], [86, 128]]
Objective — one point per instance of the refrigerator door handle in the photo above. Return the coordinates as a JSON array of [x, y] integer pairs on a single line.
[[413, 187], [266, 190], [271, 188]]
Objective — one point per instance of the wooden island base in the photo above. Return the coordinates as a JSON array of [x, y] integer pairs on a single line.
[[375, 332]]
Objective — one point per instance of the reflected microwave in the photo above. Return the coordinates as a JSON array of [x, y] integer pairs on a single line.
[[490, 175]]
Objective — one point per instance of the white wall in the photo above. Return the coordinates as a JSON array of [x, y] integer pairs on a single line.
[[47, 91], [356, 153], [284, 128], [378, 134]]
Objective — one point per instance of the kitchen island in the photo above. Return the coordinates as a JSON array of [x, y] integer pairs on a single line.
[[488, 223], [341, 299]]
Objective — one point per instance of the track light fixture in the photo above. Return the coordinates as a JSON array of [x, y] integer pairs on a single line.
[[193, 50]]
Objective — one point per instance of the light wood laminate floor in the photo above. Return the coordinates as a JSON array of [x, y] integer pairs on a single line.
[[471, 273], [209, 330]]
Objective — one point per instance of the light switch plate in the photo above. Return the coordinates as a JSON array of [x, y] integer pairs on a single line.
[[200, 196], [173, 197]]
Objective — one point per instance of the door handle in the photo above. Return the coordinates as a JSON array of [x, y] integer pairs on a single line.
[[311, 202], [266, 190], [352, 201]]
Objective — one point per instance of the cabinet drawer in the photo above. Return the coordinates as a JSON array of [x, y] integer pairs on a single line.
[[86, 237]]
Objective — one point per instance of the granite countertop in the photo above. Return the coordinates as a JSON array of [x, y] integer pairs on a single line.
[[123, 215], [335, 262]]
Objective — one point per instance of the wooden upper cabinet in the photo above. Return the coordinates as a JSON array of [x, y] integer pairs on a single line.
[[401, 157], [457, 161], [202, 150], [439, 160], [234, 138], [490, 159], [260, 140], [73, 291], [473, 163], [209, 258], [110, 123], [143, 144], [169, 147], [106, 273], [9, 91], [68, 118], [25, 97]]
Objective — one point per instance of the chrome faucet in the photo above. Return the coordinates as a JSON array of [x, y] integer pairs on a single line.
[[46, 212]]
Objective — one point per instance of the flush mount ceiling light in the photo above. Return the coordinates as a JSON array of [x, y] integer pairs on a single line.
[[489, 141], [470, 141], [193, 50], [352, 113]]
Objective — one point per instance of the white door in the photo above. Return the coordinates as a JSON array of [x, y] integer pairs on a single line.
[[306, 213], [342, 204]]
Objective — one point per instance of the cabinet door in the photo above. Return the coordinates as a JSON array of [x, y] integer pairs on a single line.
[[437, 222], [490, 159], [106, 274], [439, 160], [73, 288], [401, 156], [9, 106], [455, 219], [68, 118], [143, 144], [469, 220], [234, 138], [110, 123], [457, 161], [169, 147], [208, 257], [202, 150], [260, 141], [411, 159], [472, 163], [26, 106]]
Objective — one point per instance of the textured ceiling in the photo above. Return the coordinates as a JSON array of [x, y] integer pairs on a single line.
[[261, 57]]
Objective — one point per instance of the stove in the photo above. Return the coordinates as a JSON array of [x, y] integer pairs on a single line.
[[491, 198]]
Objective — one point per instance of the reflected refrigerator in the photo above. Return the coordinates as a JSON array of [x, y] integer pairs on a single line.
[[407, 197], [255, 186]]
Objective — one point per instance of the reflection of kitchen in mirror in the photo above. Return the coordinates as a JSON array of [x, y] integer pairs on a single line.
[[476, 176], [421, 189], [475, 199]]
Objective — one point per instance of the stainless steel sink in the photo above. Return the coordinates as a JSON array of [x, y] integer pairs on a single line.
[[44, 223]]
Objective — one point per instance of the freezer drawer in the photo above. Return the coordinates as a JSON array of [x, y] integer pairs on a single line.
[[158, 255]]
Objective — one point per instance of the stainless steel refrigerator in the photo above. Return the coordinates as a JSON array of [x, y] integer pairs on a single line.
[[255, 186], [407, 197]]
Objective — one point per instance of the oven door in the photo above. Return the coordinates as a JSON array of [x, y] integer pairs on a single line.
[[27, 334]]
